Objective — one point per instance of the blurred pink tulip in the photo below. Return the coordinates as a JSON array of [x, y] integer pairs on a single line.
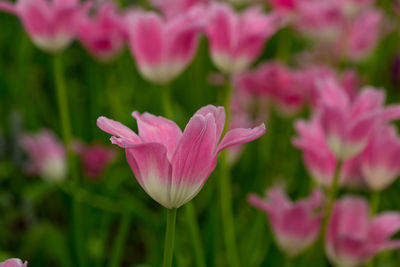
[[348, 124], [163, 49], [295, 225], [353, 237], [381, 159], [317, 156], [319, 159], [13, 263], [353, 7], [275, 82], [236, 40], [172, 166], [363, 35], [284, 5], [50, 24], [103, 35], [47, 156], [95, 158]]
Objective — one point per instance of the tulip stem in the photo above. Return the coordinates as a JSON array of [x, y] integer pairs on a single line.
[[374, 202], [169, 237], [332, 194], [62, 100], [194, 231], [225, 189], [166, 101], [189, 207]]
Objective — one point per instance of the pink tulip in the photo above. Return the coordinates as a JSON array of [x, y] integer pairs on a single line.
[[353, 237], [321, 20], [364, 34], [13, 263], [348, 124], [163, 49], [318, 158], [295, 225], [47, 156], [95, 158], [172, 166], [381, 159], [103, 35], [275, 82], [50, 24], [236, 40], [320, 161]]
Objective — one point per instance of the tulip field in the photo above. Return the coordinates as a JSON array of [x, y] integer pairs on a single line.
[[239, 133]]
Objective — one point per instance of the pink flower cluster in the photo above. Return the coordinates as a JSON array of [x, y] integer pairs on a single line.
[[348, 28], [355, 131], [352, 236]]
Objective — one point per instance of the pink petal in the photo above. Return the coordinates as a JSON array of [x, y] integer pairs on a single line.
[[123, 136], [150, 165], [240, 136], [158, 130], [13, 263], [353, 217], [147, 38], [383, 227], [219, 116], [8, 7], [368, 100], [194, 157], [221, 28]]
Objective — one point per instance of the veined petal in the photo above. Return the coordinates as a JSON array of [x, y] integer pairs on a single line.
[[158, 130], [194, 158], [150, 165], [240, 136], [219, 116], [123, 136]]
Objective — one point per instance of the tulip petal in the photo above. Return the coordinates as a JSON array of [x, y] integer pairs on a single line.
[[123, 136], [150, 165], [383, 227], [219, 116], [158, 130], [240, 136]]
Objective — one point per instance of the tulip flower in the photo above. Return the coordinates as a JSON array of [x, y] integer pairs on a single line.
[[317, 156], [381, 159], [50, 24], [172, 166], [95, 158], [295, 225], [47, 156], [13, 263], [276, 83], [236, 40], [163, 48], [103, 35], [353, 237], [348, 124], [363, 35]]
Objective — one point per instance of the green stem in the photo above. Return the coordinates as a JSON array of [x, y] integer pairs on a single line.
[[169, 238], [77, 212], [166, 101], [189, 207], [195, 233], [374, 202], [225, 189], [120, 240], [332, 195]]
